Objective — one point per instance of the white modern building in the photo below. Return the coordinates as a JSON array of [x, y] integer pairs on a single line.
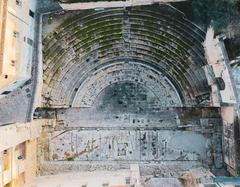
[[17, 32]]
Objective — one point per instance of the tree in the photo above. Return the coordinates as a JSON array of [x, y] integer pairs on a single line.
[[220, 13]]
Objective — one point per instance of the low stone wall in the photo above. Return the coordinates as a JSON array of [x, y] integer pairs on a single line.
[[112, 4], [219, 62], [56, 167]]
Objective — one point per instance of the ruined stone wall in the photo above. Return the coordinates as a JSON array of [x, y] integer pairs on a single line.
[[78, 137], [227, 98]]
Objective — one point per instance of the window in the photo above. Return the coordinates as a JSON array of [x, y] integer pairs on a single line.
[[6, 160], [20, 151], [13, 62], [29, 41], [31, 13], [6, 93], [19, 2], [15, 34], [105, 184], [128, 180]]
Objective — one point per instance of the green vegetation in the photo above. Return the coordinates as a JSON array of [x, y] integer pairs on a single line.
[[49, 21], [233, 47], [70, 159], [220, 13]]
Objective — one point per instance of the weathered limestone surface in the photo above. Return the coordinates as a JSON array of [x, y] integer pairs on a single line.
[[118, 89], [81, 135], [105, 4]]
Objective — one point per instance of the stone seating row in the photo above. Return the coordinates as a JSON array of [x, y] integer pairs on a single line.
[[67, 50]]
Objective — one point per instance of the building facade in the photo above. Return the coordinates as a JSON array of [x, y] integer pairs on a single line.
[[17, 32]]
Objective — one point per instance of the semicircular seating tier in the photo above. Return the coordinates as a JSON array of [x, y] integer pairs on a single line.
[[151, 45]]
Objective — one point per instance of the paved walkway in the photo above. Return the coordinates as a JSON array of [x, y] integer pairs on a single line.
[[107, 4], [14, 107], [84, 179]]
